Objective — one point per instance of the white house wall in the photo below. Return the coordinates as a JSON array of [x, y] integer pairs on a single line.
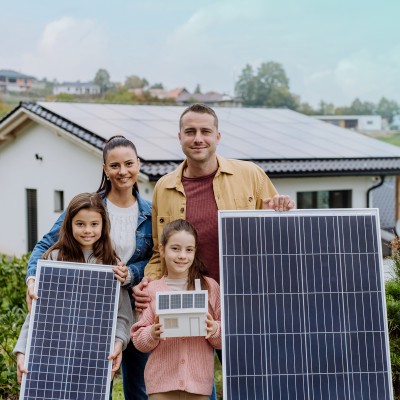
[[64, 166], [358, 186]]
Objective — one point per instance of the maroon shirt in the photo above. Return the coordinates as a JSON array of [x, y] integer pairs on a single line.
[[202, 213]]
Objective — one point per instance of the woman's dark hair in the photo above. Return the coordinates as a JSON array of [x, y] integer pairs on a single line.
[[197, 270], [69, 248], [112, 143]]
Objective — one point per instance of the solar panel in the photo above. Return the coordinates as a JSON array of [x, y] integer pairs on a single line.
[[303, 305], [71, 332]]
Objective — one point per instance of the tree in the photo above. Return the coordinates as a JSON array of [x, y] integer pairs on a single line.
[[268, 88], [197, 89], [135, 82], [245, 87], [157, 85], [326, 108], [102, 79], [387, 109]]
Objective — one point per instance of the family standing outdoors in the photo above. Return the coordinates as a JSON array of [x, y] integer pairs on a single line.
[[151, 261]]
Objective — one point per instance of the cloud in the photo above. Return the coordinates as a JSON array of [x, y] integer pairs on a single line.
[[68, 49], [364, 74]]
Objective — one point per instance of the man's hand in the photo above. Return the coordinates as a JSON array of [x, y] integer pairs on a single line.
[[30, 293], [279, 203], [116, 357], [156, 329], [21, 366], [121, 272], [142, 300], [211, 327]]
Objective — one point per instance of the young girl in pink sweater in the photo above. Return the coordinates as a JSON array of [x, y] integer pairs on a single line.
[[179, 368]]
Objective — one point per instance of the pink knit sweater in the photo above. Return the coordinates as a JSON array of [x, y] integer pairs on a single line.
[[178, 363]]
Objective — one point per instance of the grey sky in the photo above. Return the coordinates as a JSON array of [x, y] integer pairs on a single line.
[[332, 50]]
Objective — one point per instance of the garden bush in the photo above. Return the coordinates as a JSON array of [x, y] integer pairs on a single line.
[[12, 316]]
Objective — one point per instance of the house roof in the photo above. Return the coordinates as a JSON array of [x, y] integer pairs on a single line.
[[282, 142], [9, 73], [78, 84]]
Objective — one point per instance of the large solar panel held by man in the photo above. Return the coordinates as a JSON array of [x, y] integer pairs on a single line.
[[303, 306], [71, 332]]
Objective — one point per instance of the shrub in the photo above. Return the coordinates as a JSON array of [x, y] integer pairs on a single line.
[[12, 315]]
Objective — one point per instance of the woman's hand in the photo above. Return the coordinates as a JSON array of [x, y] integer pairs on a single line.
[[211, 326], [21, 366], [121, 272], [30, 293], [116, 357]]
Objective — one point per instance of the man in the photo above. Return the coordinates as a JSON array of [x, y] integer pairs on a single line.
[[203, 184]]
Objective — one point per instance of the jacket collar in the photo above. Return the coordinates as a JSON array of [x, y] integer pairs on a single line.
[[175, 181]]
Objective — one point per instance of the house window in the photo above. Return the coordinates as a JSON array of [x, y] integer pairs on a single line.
[[31, 216], [171, 323], [58, 200], [324, 199], [350, 123]]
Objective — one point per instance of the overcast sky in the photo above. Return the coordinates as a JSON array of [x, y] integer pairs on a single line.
[[335, 50]]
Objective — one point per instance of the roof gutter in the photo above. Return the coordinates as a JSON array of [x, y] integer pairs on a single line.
[[382, 177]]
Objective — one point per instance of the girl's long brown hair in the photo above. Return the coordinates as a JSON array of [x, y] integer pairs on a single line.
[[197, 270], [69, 249]]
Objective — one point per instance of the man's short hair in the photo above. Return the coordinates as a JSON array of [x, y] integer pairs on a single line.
[[199, 108]]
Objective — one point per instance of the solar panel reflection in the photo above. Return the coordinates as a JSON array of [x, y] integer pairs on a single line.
[[71, 332], [303, 305]]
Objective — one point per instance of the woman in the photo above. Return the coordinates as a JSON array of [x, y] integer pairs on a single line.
[[130, 217]]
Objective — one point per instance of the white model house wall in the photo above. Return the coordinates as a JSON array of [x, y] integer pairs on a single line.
[[179, 318]]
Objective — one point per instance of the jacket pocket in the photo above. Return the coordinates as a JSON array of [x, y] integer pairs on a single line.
[[245, 203]]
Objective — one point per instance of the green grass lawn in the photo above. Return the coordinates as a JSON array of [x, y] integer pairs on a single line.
[[394, 139], [118, 393]]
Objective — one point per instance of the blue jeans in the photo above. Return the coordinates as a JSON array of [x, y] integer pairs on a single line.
[[214, 393], [133, 363]]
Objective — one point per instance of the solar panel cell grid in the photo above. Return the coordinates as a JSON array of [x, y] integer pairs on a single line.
[[71, 332], [303, 306]]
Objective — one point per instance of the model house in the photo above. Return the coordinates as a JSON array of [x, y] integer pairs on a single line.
[[183, 313]]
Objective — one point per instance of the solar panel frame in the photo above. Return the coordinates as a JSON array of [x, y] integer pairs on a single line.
[[261, 374], [43, 342]]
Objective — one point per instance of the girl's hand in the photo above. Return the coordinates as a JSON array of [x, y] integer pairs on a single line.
[[156, 329], [116, 357], [211, 327], [30, 293], [121, 271], [21, 366]]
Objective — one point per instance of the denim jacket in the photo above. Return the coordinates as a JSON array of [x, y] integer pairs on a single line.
[[136, 263]]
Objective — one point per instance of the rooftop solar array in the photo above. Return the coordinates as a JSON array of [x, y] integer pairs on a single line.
[[248, 133], [303, 305], [71, 332]]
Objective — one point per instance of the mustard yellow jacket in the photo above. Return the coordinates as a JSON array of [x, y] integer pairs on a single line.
[[238, 185]]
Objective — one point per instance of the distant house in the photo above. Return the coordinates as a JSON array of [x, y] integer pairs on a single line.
[[182, 96], [77, 88], [12, 81], [357, 122], [50, 151]]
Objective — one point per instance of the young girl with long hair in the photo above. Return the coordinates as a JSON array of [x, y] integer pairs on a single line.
[[179, 368], [85, 238]]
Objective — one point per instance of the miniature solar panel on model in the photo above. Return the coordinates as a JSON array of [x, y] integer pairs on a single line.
[[71, 332], [303, 305]]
